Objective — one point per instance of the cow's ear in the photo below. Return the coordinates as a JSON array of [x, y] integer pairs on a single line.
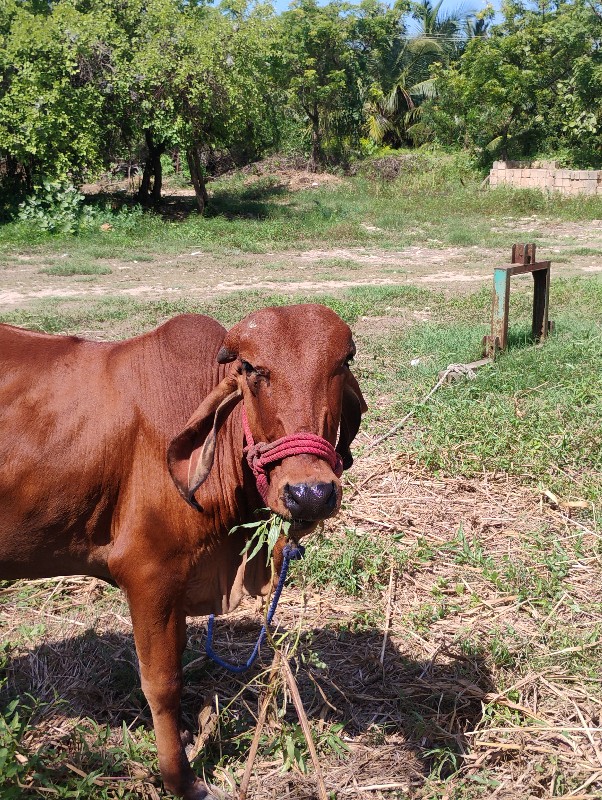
[[353, 407], [190, 455]]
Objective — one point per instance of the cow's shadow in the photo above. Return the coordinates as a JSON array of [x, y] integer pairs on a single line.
[[422, 705]]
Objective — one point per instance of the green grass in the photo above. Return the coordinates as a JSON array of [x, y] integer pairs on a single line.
[[64, 314], [344, 264], [441, 205], [68, 270], [536, 413], [585, 251]]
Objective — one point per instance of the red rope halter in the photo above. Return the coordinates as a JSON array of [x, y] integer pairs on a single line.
[[260, 455]]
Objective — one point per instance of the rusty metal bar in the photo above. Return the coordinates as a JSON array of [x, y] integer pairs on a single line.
[[523, 261], [541, 302]]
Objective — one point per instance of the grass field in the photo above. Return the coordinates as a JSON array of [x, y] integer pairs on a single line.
[[445, 629]]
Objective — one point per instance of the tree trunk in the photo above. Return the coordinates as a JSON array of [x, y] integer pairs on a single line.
[[152, 171], [198, 180], [158, 173], [316, 140], [19, 175]]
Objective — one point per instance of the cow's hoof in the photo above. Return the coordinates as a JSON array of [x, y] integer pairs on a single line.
[[200, 791]]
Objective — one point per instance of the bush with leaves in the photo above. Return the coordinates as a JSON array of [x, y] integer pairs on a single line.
[[56, 208], [59, 208]]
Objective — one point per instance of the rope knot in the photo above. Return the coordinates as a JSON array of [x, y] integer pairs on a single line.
[[261, 454]]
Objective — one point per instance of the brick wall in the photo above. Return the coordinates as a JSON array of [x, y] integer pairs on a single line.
[[546, 175]]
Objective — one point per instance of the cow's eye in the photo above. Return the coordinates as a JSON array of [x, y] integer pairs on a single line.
[[248, 368], [349, 360]]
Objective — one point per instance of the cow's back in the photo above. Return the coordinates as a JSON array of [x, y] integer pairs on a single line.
[[76, 418]]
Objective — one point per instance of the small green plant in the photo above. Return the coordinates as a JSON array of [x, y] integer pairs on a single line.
[[264, 531], [59, 208], [292, 745], [56, 208], [15, 764]]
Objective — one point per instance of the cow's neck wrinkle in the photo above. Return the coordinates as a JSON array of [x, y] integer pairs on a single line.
[[218, 584]]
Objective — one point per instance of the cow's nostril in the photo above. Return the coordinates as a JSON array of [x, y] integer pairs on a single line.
[[310, 501]]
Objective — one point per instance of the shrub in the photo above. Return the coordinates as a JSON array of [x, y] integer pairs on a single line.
[[57, 208]]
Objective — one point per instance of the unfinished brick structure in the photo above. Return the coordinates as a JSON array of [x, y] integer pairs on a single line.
[[546, 175]]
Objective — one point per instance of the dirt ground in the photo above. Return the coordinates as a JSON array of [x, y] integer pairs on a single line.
[[194, 273]]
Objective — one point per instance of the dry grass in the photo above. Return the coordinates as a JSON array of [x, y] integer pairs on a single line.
[[486, 687]]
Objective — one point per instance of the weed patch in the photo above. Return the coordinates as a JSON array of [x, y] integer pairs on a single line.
[[68, 270]]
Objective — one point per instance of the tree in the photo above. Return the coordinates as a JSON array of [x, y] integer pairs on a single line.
[[394, 99], [199, 79], [84, 81], [321, 69], [55, 67], [392, 111], [534, 84]]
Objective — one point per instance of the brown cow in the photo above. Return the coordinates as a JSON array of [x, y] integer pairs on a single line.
[[94, 435]]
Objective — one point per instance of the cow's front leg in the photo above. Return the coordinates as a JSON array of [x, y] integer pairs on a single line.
[[160, 635]]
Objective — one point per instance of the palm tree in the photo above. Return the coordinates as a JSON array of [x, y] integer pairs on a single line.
[[431, 22], [446, 28], [392, 106], [477, 25]]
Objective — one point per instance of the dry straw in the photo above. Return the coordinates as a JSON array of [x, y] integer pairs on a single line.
[[449, 682]]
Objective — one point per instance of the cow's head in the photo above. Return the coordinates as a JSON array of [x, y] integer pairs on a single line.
[[290, 368]]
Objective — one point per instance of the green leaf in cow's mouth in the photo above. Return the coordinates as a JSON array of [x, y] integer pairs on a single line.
[[264, 531]]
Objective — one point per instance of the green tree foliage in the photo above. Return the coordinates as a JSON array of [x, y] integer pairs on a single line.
[[55, 62], [199, 78], [320, 68], [533, 85], [83, 83], [393, 110], [394, 99]]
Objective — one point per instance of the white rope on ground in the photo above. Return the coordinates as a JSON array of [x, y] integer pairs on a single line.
[[453, 371]]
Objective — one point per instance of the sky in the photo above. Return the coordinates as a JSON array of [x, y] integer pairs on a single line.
[[448, 5]]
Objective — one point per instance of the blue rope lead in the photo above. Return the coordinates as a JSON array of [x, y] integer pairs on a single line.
[[290, 553]]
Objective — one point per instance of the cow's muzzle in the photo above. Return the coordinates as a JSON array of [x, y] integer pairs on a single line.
[[318, 499], [310, 501]]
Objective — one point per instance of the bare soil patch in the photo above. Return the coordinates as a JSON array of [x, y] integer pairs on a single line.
[[200, 274]]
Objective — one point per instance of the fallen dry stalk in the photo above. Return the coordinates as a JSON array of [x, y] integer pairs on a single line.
[[453, 369], [263, 710], [388, 614], [296, 697]]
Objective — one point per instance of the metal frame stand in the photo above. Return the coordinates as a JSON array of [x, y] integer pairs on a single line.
[[523, 261]]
